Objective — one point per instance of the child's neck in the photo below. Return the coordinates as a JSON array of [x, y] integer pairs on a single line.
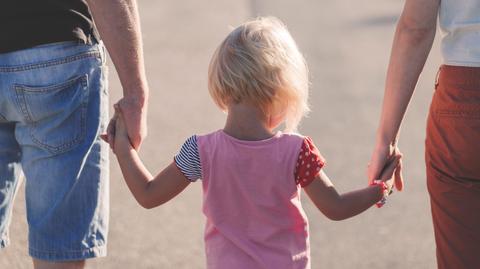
[[245, 122]]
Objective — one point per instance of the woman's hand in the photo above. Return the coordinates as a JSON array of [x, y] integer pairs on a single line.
[[390, 169], [381, 158]]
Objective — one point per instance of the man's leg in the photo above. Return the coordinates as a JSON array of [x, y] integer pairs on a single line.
[[62, 102], [39, 264], [9, 177]]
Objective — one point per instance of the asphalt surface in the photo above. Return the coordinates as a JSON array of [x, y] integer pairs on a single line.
[[346, 44]]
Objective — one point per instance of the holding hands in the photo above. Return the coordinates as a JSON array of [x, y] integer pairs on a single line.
[[134, 118], [384, 169], [117, 132], [386, 165], [149, 191]]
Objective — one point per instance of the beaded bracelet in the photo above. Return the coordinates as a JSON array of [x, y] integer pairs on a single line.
[[386, 191]]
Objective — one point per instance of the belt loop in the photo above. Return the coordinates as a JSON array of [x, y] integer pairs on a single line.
[[437, 77]]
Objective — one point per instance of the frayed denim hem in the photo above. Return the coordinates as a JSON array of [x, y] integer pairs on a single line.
[[4, 242], [69, 255]]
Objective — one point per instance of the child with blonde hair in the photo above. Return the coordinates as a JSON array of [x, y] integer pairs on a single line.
[[252, 175]]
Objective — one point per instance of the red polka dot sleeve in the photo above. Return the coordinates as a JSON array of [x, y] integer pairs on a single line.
[[309, 163]]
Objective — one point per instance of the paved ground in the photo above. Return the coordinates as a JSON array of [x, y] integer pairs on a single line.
[[346, 44]]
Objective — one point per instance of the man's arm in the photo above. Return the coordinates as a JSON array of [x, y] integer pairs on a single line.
[[119, 26]]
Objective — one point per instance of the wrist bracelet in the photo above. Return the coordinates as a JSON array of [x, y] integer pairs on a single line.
[[385, 192]]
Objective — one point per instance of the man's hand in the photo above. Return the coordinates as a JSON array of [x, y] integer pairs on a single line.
[[135, 116], [381, 158], [122, 142], [117, 132]]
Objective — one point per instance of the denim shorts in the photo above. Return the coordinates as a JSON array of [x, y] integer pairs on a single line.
[[53, 106]]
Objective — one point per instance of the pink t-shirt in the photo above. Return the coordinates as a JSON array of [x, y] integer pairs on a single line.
[[251, 200]]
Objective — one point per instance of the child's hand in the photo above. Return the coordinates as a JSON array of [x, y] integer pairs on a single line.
[[110, 134], [117, 136], [381, 157], [121, 140], [388, 172]]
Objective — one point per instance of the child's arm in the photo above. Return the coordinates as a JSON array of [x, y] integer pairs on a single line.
[[343, 206], [149, 191]]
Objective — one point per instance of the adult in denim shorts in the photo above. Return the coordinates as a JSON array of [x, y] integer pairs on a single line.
[[53, 108]]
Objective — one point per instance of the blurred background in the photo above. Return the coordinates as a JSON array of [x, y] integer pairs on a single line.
[[347, 46]]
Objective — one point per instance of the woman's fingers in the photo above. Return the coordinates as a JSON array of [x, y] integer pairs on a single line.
[[382, 157], [375, 169], [399, 177], [377, 163], [389, 170]]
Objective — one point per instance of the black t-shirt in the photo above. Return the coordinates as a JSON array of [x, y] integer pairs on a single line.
[[28, 23]]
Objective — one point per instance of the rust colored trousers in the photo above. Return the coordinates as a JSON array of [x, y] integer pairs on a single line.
[[453, 166]]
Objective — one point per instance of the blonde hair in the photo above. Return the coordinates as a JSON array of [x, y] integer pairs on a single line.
[[259, 63]]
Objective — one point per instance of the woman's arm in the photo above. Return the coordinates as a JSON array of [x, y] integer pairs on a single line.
[[411, 45]]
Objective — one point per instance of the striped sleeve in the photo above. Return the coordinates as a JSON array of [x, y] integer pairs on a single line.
[[188, 159]]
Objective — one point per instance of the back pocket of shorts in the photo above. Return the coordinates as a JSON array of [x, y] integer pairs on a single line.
[[55, 114]]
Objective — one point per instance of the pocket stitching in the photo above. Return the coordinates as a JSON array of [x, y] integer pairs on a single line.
[[22, 105], [63, 85], [466, 114], [21, 89]]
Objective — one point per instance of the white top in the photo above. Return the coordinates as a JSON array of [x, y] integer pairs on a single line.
[[460, 25]]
